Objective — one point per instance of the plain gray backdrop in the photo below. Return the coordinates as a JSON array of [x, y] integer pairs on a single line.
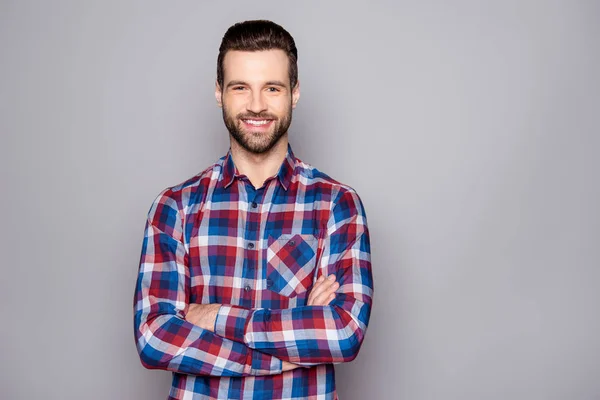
[[470, 129]]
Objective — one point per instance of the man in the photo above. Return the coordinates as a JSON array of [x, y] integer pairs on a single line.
[[255, 275]]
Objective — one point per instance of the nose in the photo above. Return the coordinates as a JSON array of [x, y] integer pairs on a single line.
[[257, 103]]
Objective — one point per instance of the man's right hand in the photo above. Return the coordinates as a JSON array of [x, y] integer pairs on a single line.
[[321, 295]]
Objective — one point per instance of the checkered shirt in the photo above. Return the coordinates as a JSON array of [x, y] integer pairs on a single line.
[[258, 252]]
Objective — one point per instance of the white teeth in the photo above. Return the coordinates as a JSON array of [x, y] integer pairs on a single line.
[[255, 122]]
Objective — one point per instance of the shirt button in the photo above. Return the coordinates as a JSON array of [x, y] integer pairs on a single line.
[[247, 288], [250, 245], [254, 205], [269, 282]]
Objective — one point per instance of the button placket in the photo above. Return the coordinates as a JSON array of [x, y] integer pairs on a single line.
[[252, 244]]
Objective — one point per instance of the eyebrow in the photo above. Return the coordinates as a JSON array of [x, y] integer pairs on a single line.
[[235, 83], [268, 83], [275, 83]]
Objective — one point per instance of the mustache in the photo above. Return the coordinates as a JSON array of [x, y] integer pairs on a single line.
[[260, 115]]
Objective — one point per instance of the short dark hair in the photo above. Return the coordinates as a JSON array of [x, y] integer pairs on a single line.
[[258, 35]]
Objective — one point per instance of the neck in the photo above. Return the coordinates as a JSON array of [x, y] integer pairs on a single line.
[[259, 167]]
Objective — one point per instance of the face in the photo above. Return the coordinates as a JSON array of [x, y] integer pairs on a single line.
[[256, 98]]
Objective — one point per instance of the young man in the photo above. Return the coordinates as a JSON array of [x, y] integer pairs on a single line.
[[255, 275]]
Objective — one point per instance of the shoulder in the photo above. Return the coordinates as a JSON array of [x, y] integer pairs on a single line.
[[340, 195], [180, 196]]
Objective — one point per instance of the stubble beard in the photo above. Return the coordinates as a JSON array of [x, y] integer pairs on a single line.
[[255, 142]]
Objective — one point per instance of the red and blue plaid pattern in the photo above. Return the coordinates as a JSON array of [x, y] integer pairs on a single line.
[[217, 239]]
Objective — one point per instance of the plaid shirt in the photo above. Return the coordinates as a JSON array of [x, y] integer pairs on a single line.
[[258, 252]]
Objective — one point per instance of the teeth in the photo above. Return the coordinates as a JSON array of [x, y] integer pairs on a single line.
[[255, 122]]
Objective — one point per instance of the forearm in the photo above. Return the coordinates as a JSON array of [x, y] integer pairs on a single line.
[[164, 339], [312, 334], [305, 335], [168, 342]]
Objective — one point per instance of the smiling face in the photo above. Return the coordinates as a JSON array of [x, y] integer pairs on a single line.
[[256, 98]]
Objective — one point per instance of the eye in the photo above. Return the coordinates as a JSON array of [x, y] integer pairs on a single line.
[[272, 89], [238, 88]]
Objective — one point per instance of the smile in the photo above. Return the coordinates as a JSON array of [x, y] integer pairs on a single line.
[[256, 122]]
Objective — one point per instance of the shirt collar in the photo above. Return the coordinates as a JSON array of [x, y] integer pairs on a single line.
[[285, 173]]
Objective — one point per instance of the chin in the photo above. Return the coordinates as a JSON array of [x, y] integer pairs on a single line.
[[259, 147]]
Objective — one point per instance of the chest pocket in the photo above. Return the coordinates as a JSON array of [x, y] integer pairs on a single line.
[[291, 262]]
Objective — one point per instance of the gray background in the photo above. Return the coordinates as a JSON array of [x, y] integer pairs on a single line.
[[470, 130]]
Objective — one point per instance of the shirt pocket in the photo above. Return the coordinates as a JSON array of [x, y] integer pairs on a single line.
[[291, 262]]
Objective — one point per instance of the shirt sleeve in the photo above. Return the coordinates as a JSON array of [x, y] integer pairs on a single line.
[[164, 339], [310, 335]]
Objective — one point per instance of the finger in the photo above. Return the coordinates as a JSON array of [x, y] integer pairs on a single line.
[[317, 288], [318, 301], [326, 296], [288, 366], [329, 285], [324, 300], [311, 295], [321, 287]]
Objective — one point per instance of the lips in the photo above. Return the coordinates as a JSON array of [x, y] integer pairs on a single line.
[[257, 123]]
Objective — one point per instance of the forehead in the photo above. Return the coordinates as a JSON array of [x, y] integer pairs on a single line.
[[255, 66]]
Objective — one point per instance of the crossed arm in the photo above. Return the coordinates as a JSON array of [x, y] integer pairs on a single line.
[[164, 338], [174, 335], [322, 293]]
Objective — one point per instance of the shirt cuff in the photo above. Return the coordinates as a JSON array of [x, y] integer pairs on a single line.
[[231, 322], [265, 364]]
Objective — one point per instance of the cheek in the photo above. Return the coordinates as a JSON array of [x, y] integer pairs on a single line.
[[280, 106], [233, 106]]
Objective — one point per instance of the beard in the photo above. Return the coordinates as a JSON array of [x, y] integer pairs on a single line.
[[257, 142]]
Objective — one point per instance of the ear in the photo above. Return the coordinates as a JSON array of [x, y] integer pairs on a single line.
[[218, 94], [295, 94]]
